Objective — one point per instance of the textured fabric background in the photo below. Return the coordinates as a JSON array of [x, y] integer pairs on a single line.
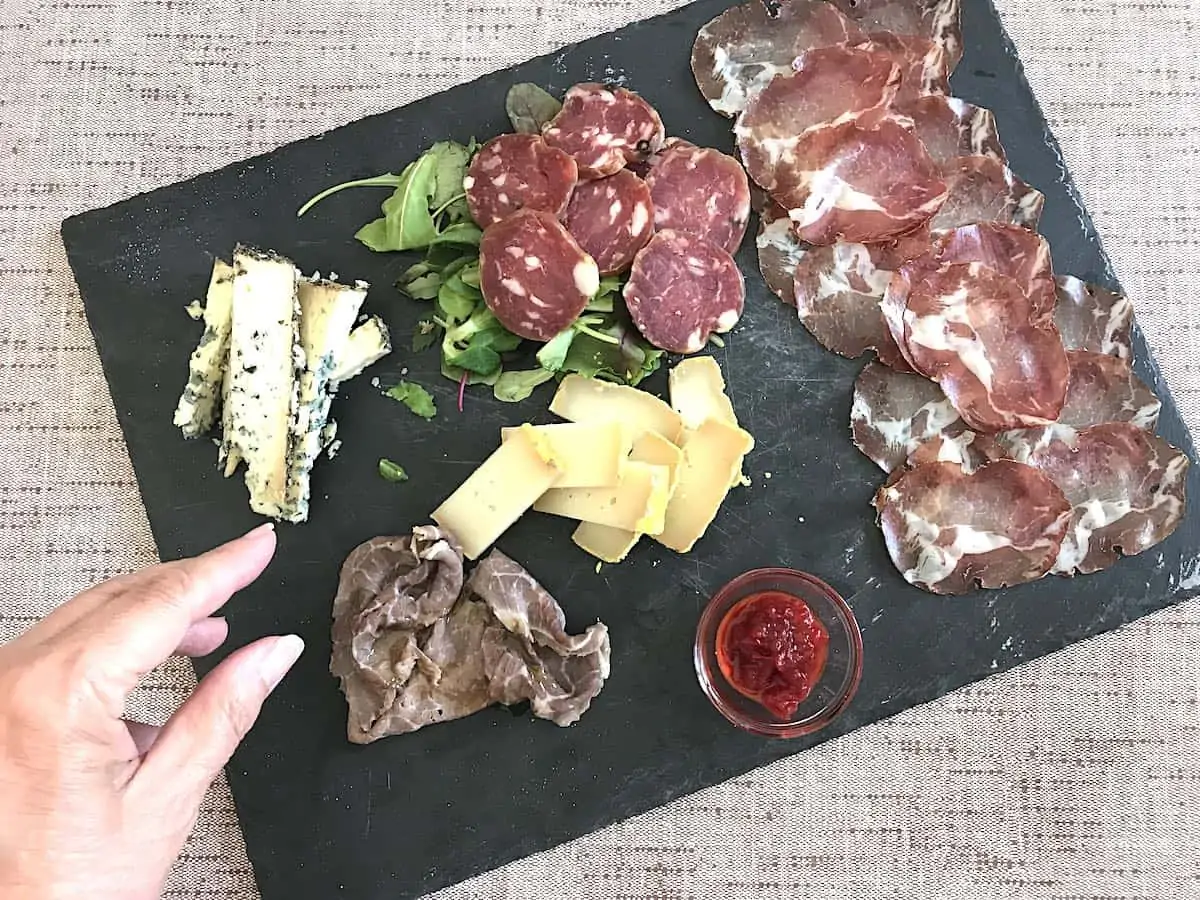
[[1073, 778]]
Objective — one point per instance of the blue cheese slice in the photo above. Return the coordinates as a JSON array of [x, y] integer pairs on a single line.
[[327, 314], [365, 346], [264, 358], [197, 410]]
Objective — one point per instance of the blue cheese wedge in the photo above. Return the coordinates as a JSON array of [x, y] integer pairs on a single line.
[[197, 410], [366, 345], [265, 357], [327, 314]]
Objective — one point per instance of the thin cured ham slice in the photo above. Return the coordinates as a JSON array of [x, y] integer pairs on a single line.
[[924, 66], [1127, 488], [612, 219], [780, 252], [950, 128], [1104, 389], [938, 20], [949, 530], [738, 53], [518, 171], [896, 413], [1094, 318], [980, 335], [983, 189], [702, 192], [605, 129]]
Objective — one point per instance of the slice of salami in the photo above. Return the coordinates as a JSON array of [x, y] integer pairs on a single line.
[[938, 20], [1127, 488], [895, 413], [604, 129], [949, 531], [682, 290], [1102, 389], [924, 65], [535, 278], [1093, 318], [780, 252], [950, 128], [612, 219], [518, 171], [738, 53], [983, 189], [700, 191]]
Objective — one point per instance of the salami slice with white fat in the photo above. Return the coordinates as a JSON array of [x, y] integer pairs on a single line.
[[518, 171], [938, 20], [612, 219], [949, 530], [535, 278], [1103, 389], [983, 189], [682, 290], [1093, 318], [738, 53], [604, 129], [700, 191], [896, 413], [1127, 488]]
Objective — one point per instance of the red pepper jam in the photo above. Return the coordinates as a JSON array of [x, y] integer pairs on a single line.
[[772, 649]]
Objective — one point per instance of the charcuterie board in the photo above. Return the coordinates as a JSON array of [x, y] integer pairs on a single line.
[[409, 814]]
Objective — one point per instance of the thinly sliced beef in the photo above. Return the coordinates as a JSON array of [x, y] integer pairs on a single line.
[[978, 334], [611, 220], [983, 189], [950, 128], [1094, 318], [605, 129], [924, 66], [738, 53], [935, 19], [1104, 389], [518, 171], [780, 251], [948, 530], [895, 413], [702, 192], [1127, 488]]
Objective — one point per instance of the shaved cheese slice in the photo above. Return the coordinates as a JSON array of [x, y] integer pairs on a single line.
[[582, 399], [698, 392], [712, 457], [607, 544], [638, 503], [656, 450], [588, 455], [499, 492]]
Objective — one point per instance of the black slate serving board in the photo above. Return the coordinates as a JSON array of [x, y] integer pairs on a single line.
[[324, 818]]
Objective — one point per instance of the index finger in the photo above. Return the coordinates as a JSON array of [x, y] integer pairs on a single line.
[[143, 623]]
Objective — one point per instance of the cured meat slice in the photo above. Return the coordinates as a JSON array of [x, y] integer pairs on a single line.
[[518, 171], [895, 413], [604, 129], [983, 189], [683, 289], [948, 530], [702, 192], [1127, 488], [864, 185], [830, 85], [1104, 389], [837, 290], [780, 252], [963, 448], [950, 128], [612, 219], [738, 53], [535, 278], [981, 336], [1094, 318], [924, 66], [935, 19]]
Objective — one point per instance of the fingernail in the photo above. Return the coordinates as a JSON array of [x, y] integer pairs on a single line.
[[279, 659], [265, 528]]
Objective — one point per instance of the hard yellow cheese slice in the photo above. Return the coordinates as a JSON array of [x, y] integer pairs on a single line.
[[499, 492], [588, 455], [698, 392], [582, 399], [638, 503]]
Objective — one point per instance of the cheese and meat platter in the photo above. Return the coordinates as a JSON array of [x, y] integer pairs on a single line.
[[700, 392]]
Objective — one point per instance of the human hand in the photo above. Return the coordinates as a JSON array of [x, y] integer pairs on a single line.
[[92, 805]]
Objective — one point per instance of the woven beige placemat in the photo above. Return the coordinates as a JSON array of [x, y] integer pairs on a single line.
[[1073, 778]]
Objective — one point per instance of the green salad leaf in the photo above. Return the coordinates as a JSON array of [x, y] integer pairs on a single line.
[[513, 387], [425, 335], [415, 397], [452, 160], [553, 354], [390, 471], [530, 108], [387, 179]]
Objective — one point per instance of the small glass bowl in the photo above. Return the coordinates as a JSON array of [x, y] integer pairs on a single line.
[[838, 682]]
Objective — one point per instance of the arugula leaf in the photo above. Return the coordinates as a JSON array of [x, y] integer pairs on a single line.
[[425, 335], [553, 355], [530, 108], [456, 300], [513, 387], [423, 287], [375, 236], [473, 378], [415, 397], [410, 224], [390, 471], [470, 274], [614, 353], [464, 233], [452, 159], [385, 180], [505, 341]]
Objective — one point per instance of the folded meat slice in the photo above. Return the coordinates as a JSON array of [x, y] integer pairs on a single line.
[[1104, 389], [939, 20], [1093, 318], [981, 336], [896, 413], [984, 189], [924, 65], [948, 530], [950, 128], [780, 251], [1127, 488], [738, 53]]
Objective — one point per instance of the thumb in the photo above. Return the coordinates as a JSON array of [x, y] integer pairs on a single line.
[[199, 739]]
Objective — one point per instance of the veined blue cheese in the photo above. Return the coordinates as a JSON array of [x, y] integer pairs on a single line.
[[366, 345], [264, 358], [197, 409]]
